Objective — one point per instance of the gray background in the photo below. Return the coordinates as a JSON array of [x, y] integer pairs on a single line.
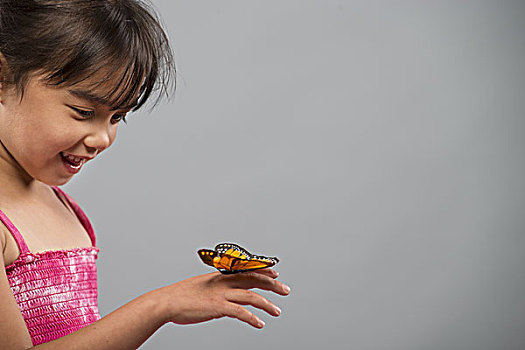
[[375, 147]]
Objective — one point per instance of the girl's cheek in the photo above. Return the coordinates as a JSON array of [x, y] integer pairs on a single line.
[[113, 135]]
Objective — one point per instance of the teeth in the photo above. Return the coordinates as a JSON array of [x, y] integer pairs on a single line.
[[72, 158]]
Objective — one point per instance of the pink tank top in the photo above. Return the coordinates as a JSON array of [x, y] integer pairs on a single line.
[[55, 290]]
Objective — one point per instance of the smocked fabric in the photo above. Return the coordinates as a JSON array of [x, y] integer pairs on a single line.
[[56, 291]]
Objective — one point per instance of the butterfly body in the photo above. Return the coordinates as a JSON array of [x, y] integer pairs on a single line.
[[231, 258]]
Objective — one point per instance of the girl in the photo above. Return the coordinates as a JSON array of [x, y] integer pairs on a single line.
[[70, 71]]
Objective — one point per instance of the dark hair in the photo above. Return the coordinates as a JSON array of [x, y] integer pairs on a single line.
[[71, 41]]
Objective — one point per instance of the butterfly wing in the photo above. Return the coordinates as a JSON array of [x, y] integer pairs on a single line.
[[233, 250], [228, 254], [207, 256], [239, 259], [259, 262], [231, 258]]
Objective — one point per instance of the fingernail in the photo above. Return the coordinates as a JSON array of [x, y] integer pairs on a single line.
[[278, 310], [286, 289], [261, 323]]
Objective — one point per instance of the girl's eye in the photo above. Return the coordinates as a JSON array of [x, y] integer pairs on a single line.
[[83, 113], [118, 118]]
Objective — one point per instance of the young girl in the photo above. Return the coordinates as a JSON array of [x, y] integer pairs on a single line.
[[70, 71]]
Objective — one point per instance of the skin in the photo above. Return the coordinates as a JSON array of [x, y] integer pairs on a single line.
[[34, 130]]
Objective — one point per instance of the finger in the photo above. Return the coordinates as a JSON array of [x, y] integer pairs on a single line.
[[247, 297], [237, 311], [249, 280], [267, 272]]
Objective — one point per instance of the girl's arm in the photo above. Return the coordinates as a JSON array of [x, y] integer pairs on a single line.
[[194, 300], [13, 331]]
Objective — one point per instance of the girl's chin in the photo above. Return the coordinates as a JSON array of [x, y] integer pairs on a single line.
[[54, 181], [60, 183]]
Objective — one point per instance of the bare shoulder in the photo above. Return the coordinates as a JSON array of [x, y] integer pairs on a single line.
[[10, 251], [3, 231]]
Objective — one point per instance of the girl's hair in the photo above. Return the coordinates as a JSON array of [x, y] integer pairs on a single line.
[[94, 41]]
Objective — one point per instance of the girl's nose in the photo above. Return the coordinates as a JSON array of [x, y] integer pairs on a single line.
[[99, 139]]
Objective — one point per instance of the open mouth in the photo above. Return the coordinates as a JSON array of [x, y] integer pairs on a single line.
[[72, 163]]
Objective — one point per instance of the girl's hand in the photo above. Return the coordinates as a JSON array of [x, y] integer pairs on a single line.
[[206, 297]]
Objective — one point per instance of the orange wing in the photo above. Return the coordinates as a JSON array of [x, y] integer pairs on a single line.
[[253, 264], [231, 258], [207, 256]]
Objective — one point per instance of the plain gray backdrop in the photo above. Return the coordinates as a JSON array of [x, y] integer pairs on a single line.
[[375, 147]]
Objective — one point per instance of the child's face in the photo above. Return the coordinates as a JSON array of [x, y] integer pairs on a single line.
[[51, 132]]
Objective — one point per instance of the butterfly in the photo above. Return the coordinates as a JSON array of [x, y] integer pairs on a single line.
[[231, 258]]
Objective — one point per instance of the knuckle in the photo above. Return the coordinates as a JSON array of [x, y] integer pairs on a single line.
[[278, 285], [258, 300], [251, 275], [237, 309], [250, 295]]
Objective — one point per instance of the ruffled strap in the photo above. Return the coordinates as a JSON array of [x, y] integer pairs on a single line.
[[22, 246], [79, 213]]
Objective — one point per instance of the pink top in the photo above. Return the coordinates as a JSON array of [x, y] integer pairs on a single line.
[[55, 290]]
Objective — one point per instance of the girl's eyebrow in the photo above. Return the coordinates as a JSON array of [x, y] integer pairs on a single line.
[[98, 100]]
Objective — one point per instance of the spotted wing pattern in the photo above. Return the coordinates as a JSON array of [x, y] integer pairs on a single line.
[[207, 256], [231, 258]]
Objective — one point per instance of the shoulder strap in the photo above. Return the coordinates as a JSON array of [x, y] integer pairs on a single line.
[[22, 246], [79, 213]]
